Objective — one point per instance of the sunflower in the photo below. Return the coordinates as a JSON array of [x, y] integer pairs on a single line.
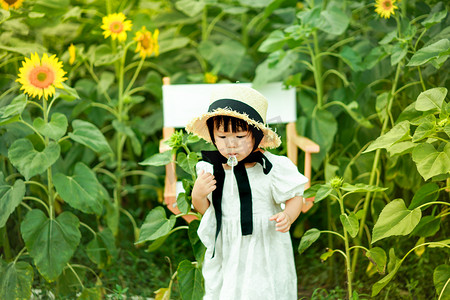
[[210, 77], [72, 54], [114, 25], [6, 4], [385, 8], [147, 42], [39, 77]]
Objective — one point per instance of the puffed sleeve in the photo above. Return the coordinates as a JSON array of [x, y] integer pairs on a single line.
[[287, 182]]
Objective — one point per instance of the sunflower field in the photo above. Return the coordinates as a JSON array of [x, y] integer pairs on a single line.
[[82, 214]]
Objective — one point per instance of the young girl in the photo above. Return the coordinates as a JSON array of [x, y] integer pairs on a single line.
[[239, 190]]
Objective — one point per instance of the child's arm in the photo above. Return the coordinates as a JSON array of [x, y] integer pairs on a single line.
[[292, 210], [204, 185]]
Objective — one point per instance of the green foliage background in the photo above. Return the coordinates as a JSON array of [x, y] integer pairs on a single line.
[[372, 93]]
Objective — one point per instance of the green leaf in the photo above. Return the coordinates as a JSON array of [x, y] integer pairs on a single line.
[[398, 53], [81, 190], [158, 159], [427, 227], [308, 239], [395, 219], [400, 148], [157, 243], [190, 280], [334, 20], [189, 7], [323, 130], [274, 41], [10, 198], [30, 162], [182, 203], [15, 280], [431, 99], [427, 53], [102, 249], [87, 134], [55, 129], [361, 188], [103, 55], [324, 256], [441, 276], [323, 192], [378, 258], [437, 14], [93, 293], [395, 264], [67, 93], [197, 246], [50, 242], [122, 128], [173, 44], [431, 162], [225, 58], [350, 223], [156, 225], [427, 193], [312, 191], [398, 132], [15, 108], [187, 163]]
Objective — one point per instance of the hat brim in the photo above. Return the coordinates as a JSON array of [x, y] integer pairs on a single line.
[[198, 127]]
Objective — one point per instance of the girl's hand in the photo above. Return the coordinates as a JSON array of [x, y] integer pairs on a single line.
[[204, 185], [283, 221]]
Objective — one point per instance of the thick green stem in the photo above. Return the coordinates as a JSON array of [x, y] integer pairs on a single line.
[[4, 241], [374, 173], [51, 199], [135, 75], [347, 249], [317, 70]]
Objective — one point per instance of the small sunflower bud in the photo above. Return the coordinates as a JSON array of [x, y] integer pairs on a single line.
[[176, 140], [336, 182]]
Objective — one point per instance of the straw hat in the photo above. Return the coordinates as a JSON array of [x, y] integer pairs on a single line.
[[241, 102]]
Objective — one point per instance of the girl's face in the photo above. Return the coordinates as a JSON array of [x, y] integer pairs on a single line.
[[239, 143]]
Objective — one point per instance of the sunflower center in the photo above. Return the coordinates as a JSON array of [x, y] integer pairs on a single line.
[[387, 4], [116, 27], [145, 43], [41, 77], [10, 2]]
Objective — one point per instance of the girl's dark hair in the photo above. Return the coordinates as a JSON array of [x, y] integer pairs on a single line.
[[236, 124]]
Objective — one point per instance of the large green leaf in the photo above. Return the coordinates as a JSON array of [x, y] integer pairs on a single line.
[[424, 131], [395, 219], [226, 58], [190, 7], [158, 159], [87, 134], [308, 239], [323, 130], [187, 162], [54, 129], [378, 258], [10, 198], [427, 193], [156, 225], [350, 223], [427, 53], [30, 162], [441, 277], [334, 20], [431, 162], [81, 190], [361, 188], [50, 242], [16, 279], [274, 41], [397, 132], [190, 280], [102, 249], [15, 108], [438, 12], [431, 99], [428, 226], [197, 246]]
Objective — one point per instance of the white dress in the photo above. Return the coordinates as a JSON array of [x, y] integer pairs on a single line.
[[257, 266]]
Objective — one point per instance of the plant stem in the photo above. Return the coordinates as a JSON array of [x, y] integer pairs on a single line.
[[317, 70], [51, 208], [135, 75], [38, 184], [76, 275], [5, 243], [20, 253], [347, 248], [89, 228], [38, 200]]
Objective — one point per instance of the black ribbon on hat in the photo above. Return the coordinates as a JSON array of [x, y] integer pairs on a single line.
[[245, 192]]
